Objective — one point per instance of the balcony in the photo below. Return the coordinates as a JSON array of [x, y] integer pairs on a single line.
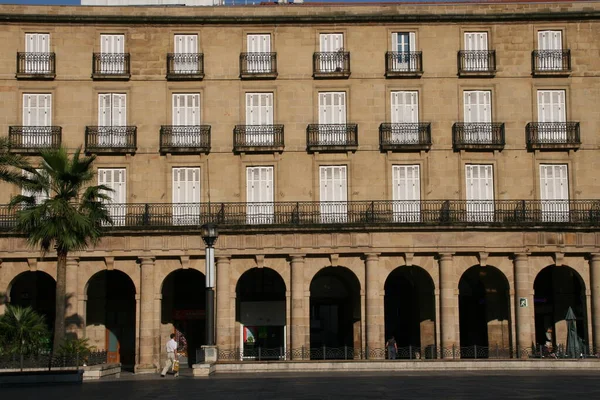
[[405, 136], [111, 66], [33, 139], [185, 66], [258, 65], [477, 63], [258, 139], [36, 66], [403, 64], [185, 139], [332, 137], [110, 139], [483, 136], [553, 136], [331, 65], [551, 62], [314, 216]]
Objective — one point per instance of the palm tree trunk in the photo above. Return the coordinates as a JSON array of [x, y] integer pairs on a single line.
[[61, 299]]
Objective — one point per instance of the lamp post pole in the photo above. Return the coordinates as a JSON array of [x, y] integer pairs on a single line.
[[209, 236]]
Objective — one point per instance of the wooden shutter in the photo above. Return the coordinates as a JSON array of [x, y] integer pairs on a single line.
[[114, 178], [259, 195], [112, 44], [405, 107], [332, 108], [37, 109], [37, 42], [551, 106], [39, 197], [331, 42], [475, 41], [186, 109], [480, 182], [186, 185], [406, 182], [554, 182], [549, 40], [259, 108], [333, 183], [186, 44], [477, 106]]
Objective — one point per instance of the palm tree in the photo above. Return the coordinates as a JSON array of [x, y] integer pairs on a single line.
[[22, 330], [9, 160], [60, 210]]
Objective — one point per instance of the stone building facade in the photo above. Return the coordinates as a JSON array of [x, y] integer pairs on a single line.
[[436, 180]]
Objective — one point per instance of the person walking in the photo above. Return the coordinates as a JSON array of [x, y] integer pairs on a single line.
[[171, 356], [392, 348]]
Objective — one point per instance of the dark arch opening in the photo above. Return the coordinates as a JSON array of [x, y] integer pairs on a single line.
[[335, 310], [261, 309], [484, 312], [183, 306], [110, 315], [555, 290], [409, 305]]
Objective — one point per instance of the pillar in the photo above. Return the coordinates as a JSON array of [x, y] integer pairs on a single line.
[[374, 317], [524, 307], [595, 289], [146, 317], [449, 334], [74, 321], [300, 312], [224, 338]]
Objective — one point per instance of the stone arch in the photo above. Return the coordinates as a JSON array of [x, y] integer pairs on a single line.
[[111, 315], [409, 304], [335, 309], [556, 288], [484, 311], [35, 289]]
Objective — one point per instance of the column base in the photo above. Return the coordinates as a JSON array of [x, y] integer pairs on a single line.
[[145, 369], [210, 354], [203, 369]]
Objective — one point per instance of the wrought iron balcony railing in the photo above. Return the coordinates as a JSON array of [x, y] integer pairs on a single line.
[[407, 64], [36, 65], [553, 135], [185, 139], [551, 62], [185, 66], [258, 138], [258, 65], [335, 64], [426, 214], [110, 139], [405, 136], [477, 63], [332, 137], [111, 66], [478, 136], [32, 139]]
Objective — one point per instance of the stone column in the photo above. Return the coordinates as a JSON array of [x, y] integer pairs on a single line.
[[74, 321], [524, 312], [374, 308], [448, 306], [147, 335], [300, 312], [595, 286], [224, 338]]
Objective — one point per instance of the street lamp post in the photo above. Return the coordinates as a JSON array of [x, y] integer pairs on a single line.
[[209, 235]]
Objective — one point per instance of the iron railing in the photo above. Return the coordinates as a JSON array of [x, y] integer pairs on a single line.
[[48, 361], [36, 65], [405, 136], [34, 138], [258, 138], [550, 62], [403, 64], [185, 66], [110, 138], [185, 138], [476, 62], [111, 66], [478, 136], [552, 135], [402, 214], [335, 137], [258, 65], [335, 64]]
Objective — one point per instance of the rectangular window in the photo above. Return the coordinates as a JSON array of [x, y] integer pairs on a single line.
[[112, 48], [332, 118], [550, 51], [554, 192], [259, 112], [186, 196], [333, 190], [403, 43], [37, 47], [259, 49], [406, 193], [331, 43], [552, 112], [38, 197], [186, 54], [259, 195], [114, 178], [477, 116], [405, 111], [480, 192], [112, 119], [37, 119], [186, 109], [476, 43]]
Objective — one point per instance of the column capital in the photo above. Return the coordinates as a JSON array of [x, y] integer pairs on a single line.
[[445, 256], [372, 256], [72, 260], [594, 257], [521, 256], [297, 258], [223, 259], [146, 260]]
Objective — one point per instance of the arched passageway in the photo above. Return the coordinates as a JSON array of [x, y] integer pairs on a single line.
[[555, 290], [35, 289], [335, 311], [110, 315], [409, 305], [183, 312], [484, 312], [261, 312]]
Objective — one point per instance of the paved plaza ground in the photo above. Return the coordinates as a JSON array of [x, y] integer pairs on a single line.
[[389, 385]]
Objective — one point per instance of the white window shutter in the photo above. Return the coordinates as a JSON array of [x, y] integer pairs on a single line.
[[105, 109], [413, 41], [119, 112]]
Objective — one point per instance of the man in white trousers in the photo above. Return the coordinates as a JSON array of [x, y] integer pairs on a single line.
[[171, 356]]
